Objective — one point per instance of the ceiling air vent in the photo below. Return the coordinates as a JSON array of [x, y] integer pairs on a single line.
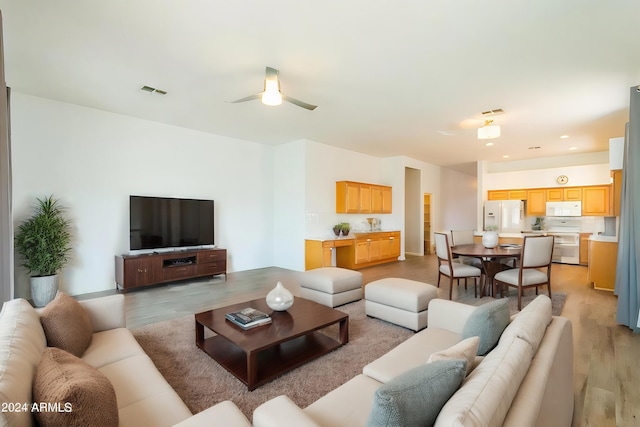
[[150, 89], [493, 112]]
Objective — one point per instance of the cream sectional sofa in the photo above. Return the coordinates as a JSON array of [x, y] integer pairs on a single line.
[[143, 396], [526, 380]]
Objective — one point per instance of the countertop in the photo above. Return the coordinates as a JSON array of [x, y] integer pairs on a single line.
[[351, 235], [601, 238]]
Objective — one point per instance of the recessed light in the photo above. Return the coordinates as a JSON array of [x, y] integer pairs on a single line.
[[506, 156], [564, 136], [573, 148], [488, 144]]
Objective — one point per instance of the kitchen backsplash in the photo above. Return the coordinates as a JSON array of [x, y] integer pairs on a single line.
[[588, 224]]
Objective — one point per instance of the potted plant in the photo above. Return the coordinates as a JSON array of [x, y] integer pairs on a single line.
[[43, 242], [337, 229], [539, 224], [345, 227]]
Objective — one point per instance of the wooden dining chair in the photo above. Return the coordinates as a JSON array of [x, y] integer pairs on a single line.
[[453, 270], [534, 270]]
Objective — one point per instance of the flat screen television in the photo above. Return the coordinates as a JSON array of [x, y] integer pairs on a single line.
[[163, 222]]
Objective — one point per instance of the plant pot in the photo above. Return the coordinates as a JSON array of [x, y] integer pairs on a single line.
[[43, 289], [279, 298], [490, 239]]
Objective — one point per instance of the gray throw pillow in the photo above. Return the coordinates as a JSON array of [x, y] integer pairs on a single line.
[[487, 322], [416, 397]]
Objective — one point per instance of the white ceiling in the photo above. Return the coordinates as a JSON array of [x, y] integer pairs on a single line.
[[390, 77]]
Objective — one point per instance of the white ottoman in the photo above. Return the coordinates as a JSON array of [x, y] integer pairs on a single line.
[[400, 301], [331, 286]]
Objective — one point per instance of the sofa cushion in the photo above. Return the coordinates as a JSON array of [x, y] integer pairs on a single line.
[[410, 353], [22, 342], [464, 350], [486, 394], [487, 322], [416, 397], [86, 397], [67, 325], [531, 323]]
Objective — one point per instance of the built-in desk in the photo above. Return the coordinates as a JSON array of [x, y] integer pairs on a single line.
[[355, 251]]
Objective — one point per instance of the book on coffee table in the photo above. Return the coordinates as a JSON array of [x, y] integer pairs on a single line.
[[248, 318]]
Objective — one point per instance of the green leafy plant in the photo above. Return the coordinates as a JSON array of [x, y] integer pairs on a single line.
[[44, 240], [345, 227], [491, 228]]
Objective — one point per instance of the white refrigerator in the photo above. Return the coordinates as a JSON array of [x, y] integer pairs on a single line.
[[507, 215]]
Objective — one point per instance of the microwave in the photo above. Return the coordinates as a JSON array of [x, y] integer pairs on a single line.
[[564, 208]]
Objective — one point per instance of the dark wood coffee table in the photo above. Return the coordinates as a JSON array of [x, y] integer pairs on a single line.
[[258, 355]]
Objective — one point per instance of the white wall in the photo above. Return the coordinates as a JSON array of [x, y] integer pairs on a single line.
[[594, 174], [458, 201], [93, 160], [289, 190]]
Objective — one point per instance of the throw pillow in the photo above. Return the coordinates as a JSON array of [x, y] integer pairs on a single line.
[[417, 396], [465, 350], [72, 393], [487, 322], [67, 325]]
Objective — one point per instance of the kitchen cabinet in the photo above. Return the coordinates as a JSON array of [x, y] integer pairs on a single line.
[[536, 202], [569, 194], [616, 191], [602, 264], [584, 248], [360, 197], [595, 200], [370, 249], [507, 195], [319, 253]]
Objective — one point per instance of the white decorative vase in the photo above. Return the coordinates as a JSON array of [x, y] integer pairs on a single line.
[[490, 239], [279, 298], [43, 289]]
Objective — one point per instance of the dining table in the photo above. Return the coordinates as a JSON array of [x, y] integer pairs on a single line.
[[492, 260]]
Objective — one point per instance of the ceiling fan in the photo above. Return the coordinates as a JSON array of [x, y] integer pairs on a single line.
[[272, 94]]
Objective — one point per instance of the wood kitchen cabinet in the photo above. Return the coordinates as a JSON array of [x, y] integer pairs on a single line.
[[360, 197], [596, 200], [602, 264], [537, 202], [569, 194], [319, 253], [370, 249], [616, 193], [507, 195]]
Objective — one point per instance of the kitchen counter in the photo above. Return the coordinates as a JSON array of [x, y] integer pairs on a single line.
[[601, 238]]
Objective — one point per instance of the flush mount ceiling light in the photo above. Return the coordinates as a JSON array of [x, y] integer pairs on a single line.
[[489, 130]]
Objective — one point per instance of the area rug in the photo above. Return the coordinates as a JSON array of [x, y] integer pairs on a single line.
[[201, 382]]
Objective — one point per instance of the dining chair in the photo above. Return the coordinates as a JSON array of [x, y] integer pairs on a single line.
[[465, 237], [453, 270], [534, 270]]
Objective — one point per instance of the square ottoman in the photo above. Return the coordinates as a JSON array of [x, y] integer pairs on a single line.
[[331, 286], [400, 301]]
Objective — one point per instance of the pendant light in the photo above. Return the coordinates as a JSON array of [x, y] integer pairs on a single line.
[[489, 130]]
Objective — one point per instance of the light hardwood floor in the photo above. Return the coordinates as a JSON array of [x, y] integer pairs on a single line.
[[606, 355]]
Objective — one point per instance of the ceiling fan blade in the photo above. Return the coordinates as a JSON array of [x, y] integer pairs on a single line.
[[299, 103], [247, 98]]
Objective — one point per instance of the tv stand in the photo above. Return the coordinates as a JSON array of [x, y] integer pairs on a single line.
[[136, 271]]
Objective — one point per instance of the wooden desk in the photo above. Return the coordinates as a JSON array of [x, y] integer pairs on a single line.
[[490, 260]]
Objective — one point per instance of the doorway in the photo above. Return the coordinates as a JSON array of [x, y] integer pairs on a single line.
[[427, 224], [413, 212]]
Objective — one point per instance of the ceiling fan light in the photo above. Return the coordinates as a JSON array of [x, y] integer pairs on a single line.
[[489, 130], [271, 95]]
